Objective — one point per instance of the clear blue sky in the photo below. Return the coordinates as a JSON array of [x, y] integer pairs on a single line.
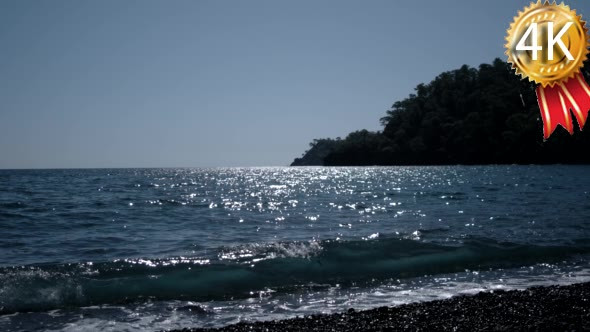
[[220, 83]]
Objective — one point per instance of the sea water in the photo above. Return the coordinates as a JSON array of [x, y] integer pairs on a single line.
[[153, 249]]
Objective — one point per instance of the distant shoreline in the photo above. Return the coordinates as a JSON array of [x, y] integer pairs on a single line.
[[434, 165], [283, 166], [551, 308]]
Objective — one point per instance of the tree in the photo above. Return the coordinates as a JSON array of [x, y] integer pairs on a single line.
[[465, 116]]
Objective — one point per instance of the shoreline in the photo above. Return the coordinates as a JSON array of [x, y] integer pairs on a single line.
[[540, 308]]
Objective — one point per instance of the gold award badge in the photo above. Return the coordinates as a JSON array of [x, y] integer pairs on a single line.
[[548, 44]]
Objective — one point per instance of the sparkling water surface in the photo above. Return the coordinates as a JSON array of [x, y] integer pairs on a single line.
[[152, 249]]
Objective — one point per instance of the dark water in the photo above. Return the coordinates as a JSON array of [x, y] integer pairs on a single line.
[[150, 249]]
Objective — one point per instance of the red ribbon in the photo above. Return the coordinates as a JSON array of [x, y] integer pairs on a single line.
[[557, 101]]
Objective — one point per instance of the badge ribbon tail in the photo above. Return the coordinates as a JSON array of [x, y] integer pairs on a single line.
[[557, 101]]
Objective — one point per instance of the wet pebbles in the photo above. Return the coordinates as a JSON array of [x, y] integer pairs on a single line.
[[554, 308]]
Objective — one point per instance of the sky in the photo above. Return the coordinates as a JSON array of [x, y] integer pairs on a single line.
[[208, 83]]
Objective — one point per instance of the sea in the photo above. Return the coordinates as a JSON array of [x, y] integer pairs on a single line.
[[159, 249]]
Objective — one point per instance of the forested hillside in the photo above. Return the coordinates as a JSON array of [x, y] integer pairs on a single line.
[[484, 115]]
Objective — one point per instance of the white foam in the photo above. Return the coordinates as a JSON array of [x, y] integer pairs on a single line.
[[268, 304]]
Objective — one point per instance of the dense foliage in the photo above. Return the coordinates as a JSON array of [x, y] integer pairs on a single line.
[[465, 116]]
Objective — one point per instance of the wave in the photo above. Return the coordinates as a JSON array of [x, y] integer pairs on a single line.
[[237, 272]]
